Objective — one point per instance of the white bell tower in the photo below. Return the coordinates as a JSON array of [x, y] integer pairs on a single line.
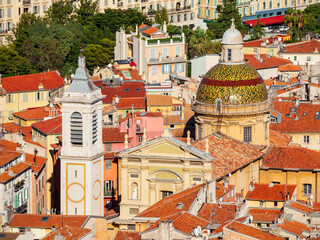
[[82, 150]]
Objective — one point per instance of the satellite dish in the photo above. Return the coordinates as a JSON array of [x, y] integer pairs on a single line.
[[279, 39], [267, 41], [311, 197], [197, 231]]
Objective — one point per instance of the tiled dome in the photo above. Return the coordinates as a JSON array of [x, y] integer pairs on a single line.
[[234, 84]]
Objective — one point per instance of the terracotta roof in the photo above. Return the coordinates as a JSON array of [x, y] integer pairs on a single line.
[[46, 221], [108, 108], [36, 162], [143, 114], [9, 235], [16, 169], [69, 233], [168, 205], [176, 119], [289, 68], [271, 192], [8, 145], [278, 139], [31, 82], [217, 213], [251, 231], [126, 103], [151, 30], [183, 222], [112, 134], [257, 43], [29, 140], [10, 127], [300, 207], [221, 190], [26, 131], [302, 47], [264, 215], [126, 90], [304, 120], [142, 25], [161, 100], [50, 126], [291, 158], [229, 153], [38, 113], [134, 74], [8, 156], [121, 235], [268, 62], [294, 227]]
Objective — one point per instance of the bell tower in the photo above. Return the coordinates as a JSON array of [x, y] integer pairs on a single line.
[[82, 148]]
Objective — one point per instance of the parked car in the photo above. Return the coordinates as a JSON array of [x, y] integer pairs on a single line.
[[283, 28], [267, 29]]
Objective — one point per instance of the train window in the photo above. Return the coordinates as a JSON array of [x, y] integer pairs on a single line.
[[265, 15], [271, 14], [278, 13], [258, 15]]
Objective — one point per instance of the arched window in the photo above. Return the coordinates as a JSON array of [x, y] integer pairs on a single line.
[[94, 126], [76, 128]]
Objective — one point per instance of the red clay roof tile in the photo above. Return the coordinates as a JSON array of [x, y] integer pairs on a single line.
[[289, 68], [38, 113], [50, 126], [31, 82], [37, 221], [16, 169], [121, 235], [268, 62], [294, 227], [300, 207], [112, 134], [7, 156], [302, 47], [36, 162], [217, 213], [8, 145], [69, 233], [279, 139], [264, 215], [271, 192], [126, 103]]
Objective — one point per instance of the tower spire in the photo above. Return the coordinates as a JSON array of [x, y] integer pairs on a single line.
[[232, 24]]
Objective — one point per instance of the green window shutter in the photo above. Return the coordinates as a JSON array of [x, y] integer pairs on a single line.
[[36, 190], [25, 97], [42, 96], [27, 193], [15, 201]]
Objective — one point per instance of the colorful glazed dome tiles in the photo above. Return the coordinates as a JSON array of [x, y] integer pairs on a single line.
[[233, 84]]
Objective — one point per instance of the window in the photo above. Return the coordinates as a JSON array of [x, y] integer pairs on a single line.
[[229, 54], [9, 98], [140, 138], [108, 185], [308, 58], [10, 116], [44, 8], [261, 203], [178, 18], [185, 17], [264, 5], [165, 52], [317, 115], [9, 12], [178, 50], [247, 134], [307, 189], [8, 2], [94, 127], [166, 193], [199, 12], [295, 58], [270, 4], [207, 13], [38, 96], [166, 68], [171, 126], [152, 54], [179, 67], [107, 147], [108, 164], [154, 69], [191, 16], [275, 204], [76, 128], [306, 139], [266, 130], [25, 97]]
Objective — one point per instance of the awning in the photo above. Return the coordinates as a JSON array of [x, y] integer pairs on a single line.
[[266, 21]]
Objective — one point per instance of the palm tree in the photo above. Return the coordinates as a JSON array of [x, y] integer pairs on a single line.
[[300, 21], [290, 19]]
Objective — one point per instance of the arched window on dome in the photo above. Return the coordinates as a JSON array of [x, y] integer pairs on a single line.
[[76, 128]]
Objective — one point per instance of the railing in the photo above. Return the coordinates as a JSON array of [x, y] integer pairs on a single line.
[[110, 193], [18, 186], [2, 31], [164, 41], [22, 208], [167, 59], [232, 109], [151, 13], [139, 130]]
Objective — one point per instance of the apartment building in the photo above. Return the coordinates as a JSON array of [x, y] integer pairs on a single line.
[[155, 53], [181, 12], [11, 10]]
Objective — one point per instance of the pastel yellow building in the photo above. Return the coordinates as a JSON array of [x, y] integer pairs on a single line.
[[232, 97], [156, 169], [28, 91], [293, 165]]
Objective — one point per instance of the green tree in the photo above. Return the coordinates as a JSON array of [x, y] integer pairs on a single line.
[[60, 12], [86, 10], [162, 16], [295, 20], [257, 31], [173, 30], [99, 55], [20, 32], [312, 18], [11, 63], [226, 11]]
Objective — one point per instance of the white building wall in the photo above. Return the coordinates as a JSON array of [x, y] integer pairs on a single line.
[[201, 65]]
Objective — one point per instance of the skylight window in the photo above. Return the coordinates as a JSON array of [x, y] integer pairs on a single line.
[[317, 115], [44, 219]]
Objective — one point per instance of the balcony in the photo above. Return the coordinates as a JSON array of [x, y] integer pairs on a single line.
[[164, 41], [110, 193], [161, 60], [120, 4], [22, 209], [26, 2], [18, 186], [151, 12], [139, 130], [4, 31]]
